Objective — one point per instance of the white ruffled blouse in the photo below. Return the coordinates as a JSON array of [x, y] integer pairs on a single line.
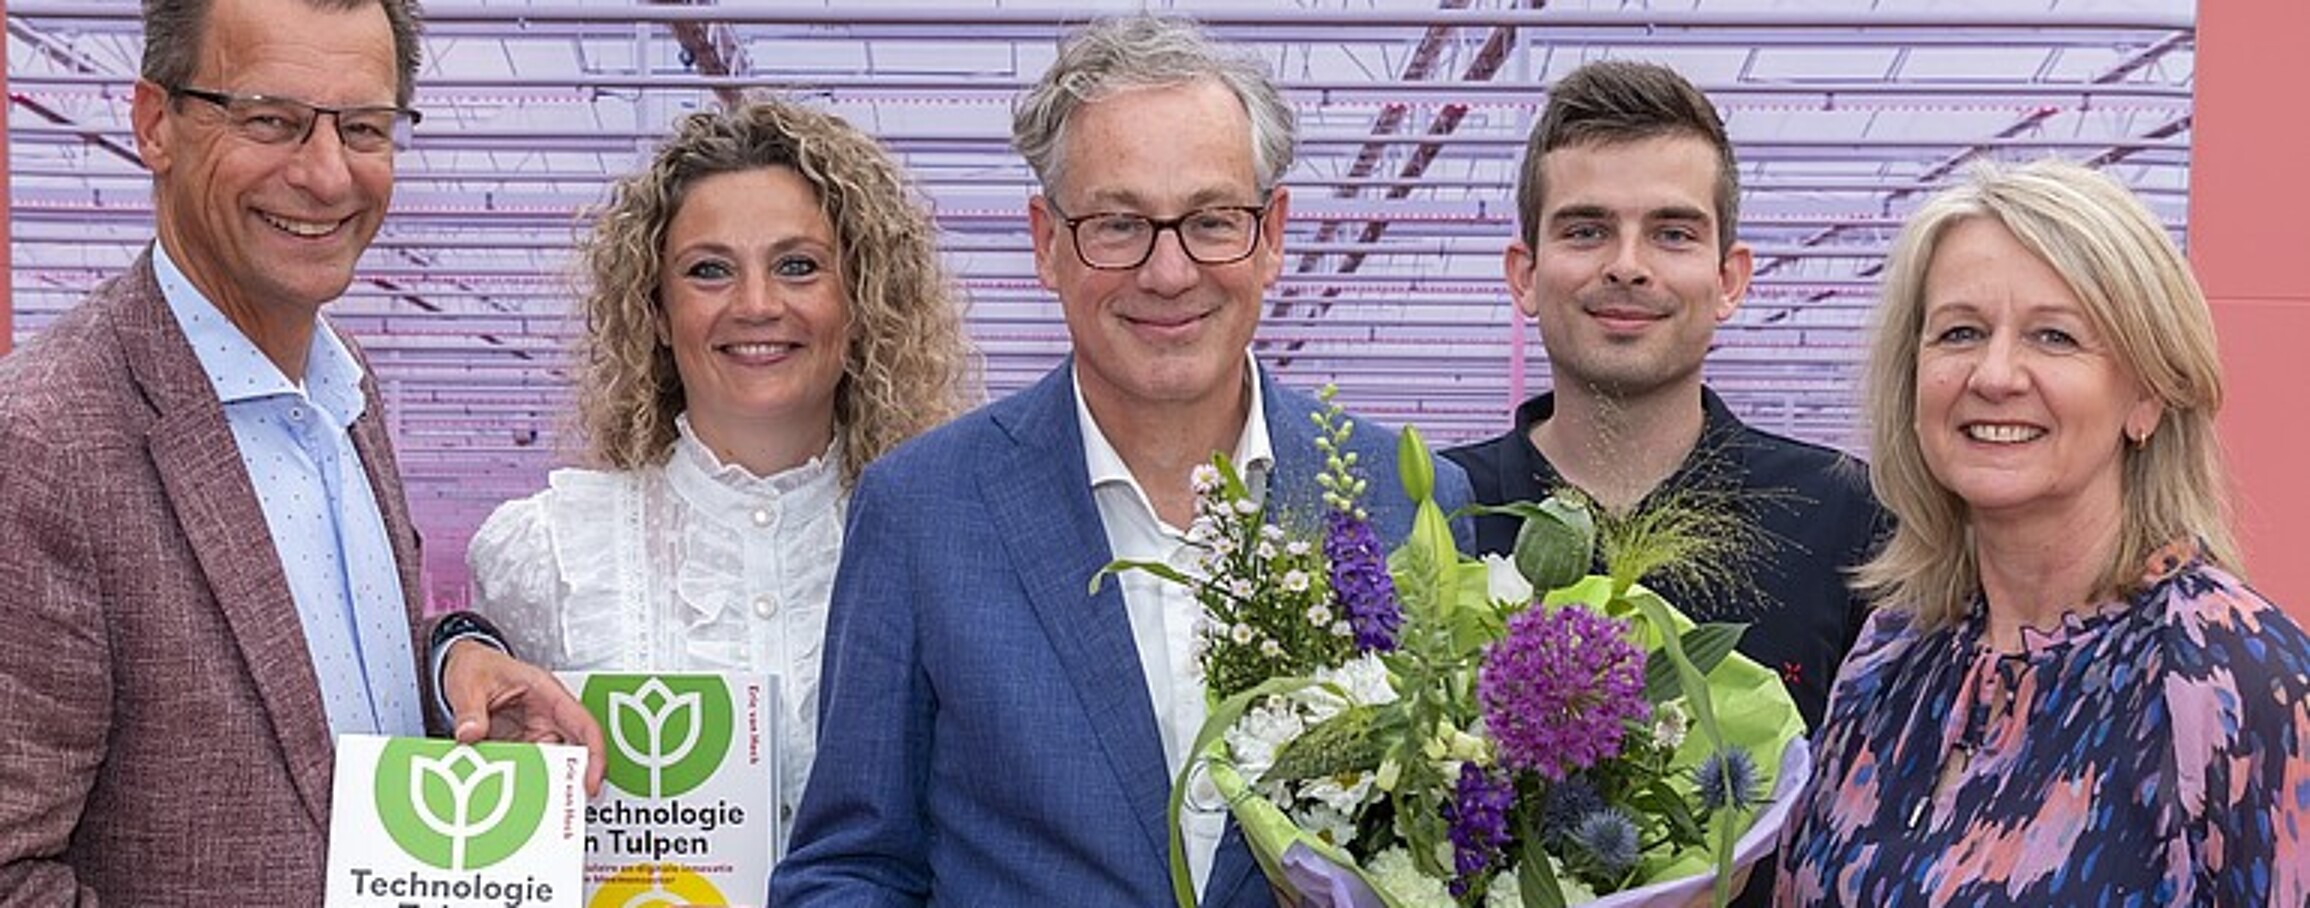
[[696, 565]]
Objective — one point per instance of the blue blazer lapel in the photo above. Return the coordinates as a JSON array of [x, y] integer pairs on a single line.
[[1038, 493], [1292, 436], [199, 463]]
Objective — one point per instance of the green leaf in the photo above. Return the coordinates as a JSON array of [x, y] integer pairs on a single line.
[[1709, 644], [1341, 744], [1658, 798], [1696, 694], [1535, 872], [1722, 823], [1516, 509], [1230, 480], [1473, 629], [1705, 646], [1157, 568], [1425, 833]]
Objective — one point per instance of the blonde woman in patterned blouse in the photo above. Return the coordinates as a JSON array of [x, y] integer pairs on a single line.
[[2068, 696], [767, 313]]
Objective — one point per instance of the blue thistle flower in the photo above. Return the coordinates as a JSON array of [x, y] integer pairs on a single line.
[[1566, 804], [1609, 838], [1727, 778], [1478, 815]]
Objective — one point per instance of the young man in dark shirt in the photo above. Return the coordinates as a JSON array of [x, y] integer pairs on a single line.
[[1627, 260]]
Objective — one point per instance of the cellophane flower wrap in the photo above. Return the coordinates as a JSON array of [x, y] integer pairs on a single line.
[[1415, 728]]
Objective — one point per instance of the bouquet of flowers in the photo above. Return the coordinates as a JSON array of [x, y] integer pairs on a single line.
[[1417, 728]]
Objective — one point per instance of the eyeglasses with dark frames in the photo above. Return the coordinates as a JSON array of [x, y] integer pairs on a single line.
[[1122, 240], [269, 120]]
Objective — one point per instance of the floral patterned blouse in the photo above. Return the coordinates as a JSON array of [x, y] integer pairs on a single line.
[[2155, 751]]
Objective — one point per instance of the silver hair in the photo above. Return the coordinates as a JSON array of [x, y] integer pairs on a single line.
[[1143, 51]]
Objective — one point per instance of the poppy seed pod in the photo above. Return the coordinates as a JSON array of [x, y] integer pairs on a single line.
[[1556, 545]]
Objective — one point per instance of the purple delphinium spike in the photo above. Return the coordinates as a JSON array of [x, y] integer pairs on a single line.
[[1359, 580], [1478, 816]]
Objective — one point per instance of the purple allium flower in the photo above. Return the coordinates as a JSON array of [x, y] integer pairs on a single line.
[[1727, 778], [1478, 815], [1359, 580], [1558, 687], [1609, 837]]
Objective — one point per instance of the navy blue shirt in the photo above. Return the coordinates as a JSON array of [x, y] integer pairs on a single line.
[[1812, 502]]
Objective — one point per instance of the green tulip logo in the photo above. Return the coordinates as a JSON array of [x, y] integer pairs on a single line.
[[668, 733], [460, 807]]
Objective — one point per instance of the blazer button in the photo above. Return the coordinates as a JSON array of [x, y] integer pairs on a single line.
[[765, 606]]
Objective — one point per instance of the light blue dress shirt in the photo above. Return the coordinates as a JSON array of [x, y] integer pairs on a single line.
[[318, 506]]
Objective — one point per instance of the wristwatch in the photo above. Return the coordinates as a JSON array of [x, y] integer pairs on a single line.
[[452, 627], [463, 625]]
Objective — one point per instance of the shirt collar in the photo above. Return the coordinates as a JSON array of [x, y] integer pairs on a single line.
[[706, 481], [1253, 449], [1717, 450], [241, 372]]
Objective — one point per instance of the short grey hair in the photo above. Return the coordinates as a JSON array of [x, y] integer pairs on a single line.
[[1146, 51]]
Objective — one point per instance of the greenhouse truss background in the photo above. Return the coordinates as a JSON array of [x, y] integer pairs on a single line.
[[1413, 114]]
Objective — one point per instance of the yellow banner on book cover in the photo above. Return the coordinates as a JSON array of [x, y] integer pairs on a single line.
[[430, 823], [688, 813]]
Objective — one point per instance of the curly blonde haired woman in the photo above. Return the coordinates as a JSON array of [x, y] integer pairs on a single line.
[[767, 314]]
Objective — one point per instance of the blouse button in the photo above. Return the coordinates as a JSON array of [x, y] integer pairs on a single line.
[[761, 517], [764, 606]]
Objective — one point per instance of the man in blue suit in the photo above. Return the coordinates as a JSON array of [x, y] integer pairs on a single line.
[[992, 732]]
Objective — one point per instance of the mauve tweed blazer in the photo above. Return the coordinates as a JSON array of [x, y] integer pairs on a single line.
[[162, 740]]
